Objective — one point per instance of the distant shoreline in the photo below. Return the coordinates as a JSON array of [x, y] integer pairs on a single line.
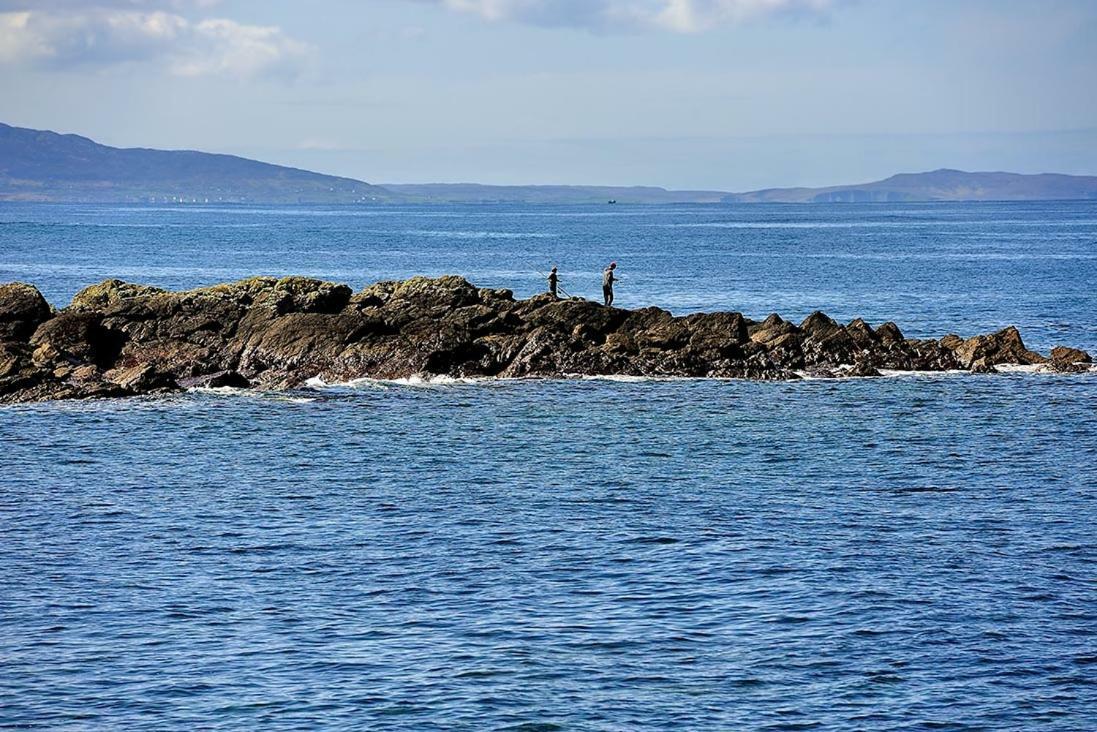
[[47, 167], [729, 205]]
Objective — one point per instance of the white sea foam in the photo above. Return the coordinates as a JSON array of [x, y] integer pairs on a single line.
[[899, 373], [225, 390], [1041, 368], [245, 393], [415, 381], [443, 381], [1018, 368], [632, 379]]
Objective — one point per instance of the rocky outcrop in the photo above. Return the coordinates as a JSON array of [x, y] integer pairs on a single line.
[[121, 339], [1069, 360], [982, 353]]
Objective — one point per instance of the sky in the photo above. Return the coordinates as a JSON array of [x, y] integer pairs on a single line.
[[699, 94]]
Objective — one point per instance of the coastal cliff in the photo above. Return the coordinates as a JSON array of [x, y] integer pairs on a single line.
[[118, 339]]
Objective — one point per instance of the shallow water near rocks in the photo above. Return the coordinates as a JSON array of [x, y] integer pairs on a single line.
[[912, 552]]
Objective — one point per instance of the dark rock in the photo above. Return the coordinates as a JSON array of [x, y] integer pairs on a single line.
[[822, 372], [770, 329], [219, 379], [786, 351], [1063, 354], [1069, 360], [863, 369], [14, 357], [656, 329], [119, 339], [834, 346], [76, 338], [1069, 368], [141, 379], [22, 310], [1003, 347], [304, 295], [819, 326], [862, 334], [716, 332], [889, 333], [952, 341]]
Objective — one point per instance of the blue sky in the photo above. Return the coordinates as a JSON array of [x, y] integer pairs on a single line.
[[724, 94]]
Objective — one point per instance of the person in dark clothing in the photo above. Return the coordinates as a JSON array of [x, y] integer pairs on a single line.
[[607, 283], [554, 282]]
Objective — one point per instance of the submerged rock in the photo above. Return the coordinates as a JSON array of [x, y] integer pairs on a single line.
[[121, 339]]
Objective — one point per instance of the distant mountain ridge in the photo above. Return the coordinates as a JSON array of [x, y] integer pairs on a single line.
[[38, 165], [480, 193], [937, 185]]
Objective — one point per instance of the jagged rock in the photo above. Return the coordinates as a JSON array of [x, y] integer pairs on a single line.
[[889, 333], [216, 380], [22, 310], [819, 326], [862, 334], [75, 338], [12, 357], [770, 329], [1064, 354], [1003, 347], [141, 379], [863, 369], [786, 351], [656, 329], [835, 347], [952, 341], [1069, 360], [119, 339], [719, 333]]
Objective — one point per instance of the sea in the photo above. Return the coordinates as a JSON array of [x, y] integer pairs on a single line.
[[915, 552]]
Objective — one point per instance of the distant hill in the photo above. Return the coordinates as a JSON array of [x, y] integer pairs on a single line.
[[937, 185], [37, 165], [477, 193]]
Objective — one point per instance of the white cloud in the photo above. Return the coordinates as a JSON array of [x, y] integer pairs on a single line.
[[46, 5], [112, 33], [229, 48], [679, 16]]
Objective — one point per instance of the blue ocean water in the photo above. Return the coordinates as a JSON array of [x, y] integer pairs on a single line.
[[903, 553]]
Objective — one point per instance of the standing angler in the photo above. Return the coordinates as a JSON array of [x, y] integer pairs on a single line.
[[607, 283], [553, 281]]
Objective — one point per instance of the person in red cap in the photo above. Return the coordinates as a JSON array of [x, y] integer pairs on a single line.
[[607, 283]]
